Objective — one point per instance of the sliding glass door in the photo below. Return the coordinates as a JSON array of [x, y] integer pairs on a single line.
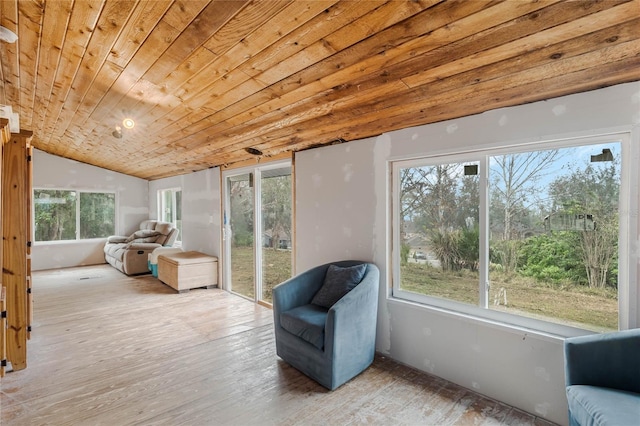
[[257, 230], [239, 234], [275, 220]]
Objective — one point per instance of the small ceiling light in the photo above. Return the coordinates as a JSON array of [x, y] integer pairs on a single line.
[[117, 133], [128, 123], [253, 151], [7, 35]]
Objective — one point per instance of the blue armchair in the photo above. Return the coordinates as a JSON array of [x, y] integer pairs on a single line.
[[331, 344], [602, 375]]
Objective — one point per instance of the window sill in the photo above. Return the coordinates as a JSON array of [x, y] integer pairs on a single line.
[[67, 242], [521, 326]]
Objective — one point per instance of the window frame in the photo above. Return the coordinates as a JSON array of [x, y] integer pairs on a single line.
[[77, 208], [628, 202], [161, 204], [258, 259]]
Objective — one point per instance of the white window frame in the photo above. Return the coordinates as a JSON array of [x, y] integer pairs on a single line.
[[78, 191], [629, 193], [161, 206]]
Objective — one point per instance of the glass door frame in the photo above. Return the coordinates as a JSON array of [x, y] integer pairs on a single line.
[[256, 171], [174, 209]]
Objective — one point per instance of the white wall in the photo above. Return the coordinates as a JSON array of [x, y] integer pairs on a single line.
[[342, 212], [201, 228], [50, 171]]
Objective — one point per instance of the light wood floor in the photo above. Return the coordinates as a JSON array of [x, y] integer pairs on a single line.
[[117, 350]]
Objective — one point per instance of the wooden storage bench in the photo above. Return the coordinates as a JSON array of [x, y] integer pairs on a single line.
[[189, 269]]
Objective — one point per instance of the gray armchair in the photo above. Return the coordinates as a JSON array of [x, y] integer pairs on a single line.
[[130, 254], [602, 375], [329, 342]]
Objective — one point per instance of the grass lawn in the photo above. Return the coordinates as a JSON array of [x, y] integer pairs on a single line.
[[276, 268], [594, 309]]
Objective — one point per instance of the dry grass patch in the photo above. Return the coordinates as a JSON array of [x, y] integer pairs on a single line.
[[595, 309]]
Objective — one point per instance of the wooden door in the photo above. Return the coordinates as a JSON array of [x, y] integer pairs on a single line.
[[15, 236], [4, 137]]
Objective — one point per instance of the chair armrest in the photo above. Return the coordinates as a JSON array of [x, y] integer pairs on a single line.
[[143, 246], [351, 322], [609, 360], [115, 239]]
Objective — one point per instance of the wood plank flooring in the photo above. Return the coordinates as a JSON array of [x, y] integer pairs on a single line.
[[117, 350]]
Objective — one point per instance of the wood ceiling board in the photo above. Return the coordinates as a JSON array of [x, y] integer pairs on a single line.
[[496, 93], [112, 22], [182, 12], [217, 79], [53, 36], [567, 84], [210, 20], [141, 22], [309, 81], [30, 16], [371, 20], [109, 109], [377, 19], [368, 135], [373, 105], [287, 75], [9, 57], [176, 19], [416, 25], [81, 25], [550, 26], [519, 83], [296, 51], [250, 45], [245, 22]]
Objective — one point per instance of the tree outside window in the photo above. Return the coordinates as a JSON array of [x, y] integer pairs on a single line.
[[61, 215]]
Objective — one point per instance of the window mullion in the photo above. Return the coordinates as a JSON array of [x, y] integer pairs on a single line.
[[257, 192], [78, 216], [173, 207], [483, 300]]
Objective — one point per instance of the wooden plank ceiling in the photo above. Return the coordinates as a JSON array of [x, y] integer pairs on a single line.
[[205, 80]]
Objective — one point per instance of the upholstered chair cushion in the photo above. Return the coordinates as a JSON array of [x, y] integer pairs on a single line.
[[148, 224], [338, 282], [306, 322], [164, 228], [143, 236]]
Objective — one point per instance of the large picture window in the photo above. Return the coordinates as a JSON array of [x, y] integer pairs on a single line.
[[521, 233], [73, 215]]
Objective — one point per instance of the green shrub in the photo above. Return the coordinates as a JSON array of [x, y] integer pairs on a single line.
[[551, 257], [404, 253]]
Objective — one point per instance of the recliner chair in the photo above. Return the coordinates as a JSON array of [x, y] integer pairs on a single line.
[[330, 342], [130, 254], [602, 376]]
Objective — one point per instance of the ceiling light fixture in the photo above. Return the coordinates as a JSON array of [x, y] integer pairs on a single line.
[[117, 133], [253, 151], [7, 35], [128, 123]]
